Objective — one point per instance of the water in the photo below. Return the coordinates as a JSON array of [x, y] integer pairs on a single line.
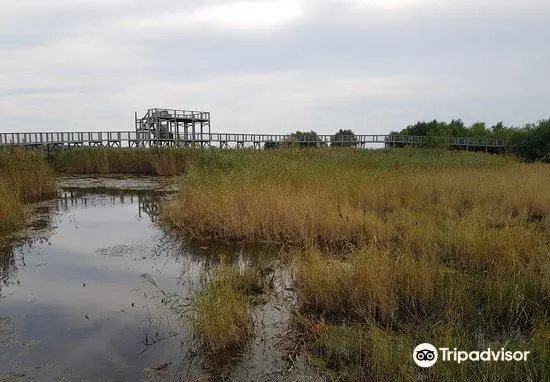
[[78, 299]]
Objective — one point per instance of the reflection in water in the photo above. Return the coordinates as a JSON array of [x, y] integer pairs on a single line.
[[82, 306], [8, 267], [147, 201], [14, 250]]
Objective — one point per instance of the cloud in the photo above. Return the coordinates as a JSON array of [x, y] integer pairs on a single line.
[[239, 15], [390, 4], [272, 65]]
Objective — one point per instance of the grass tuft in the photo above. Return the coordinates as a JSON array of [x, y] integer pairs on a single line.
[[222, 317], [24, 177]]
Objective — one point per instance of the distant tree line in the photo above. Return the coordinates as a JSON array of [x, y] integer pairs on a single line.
[[531, 142], [309, 139], [458, 129]]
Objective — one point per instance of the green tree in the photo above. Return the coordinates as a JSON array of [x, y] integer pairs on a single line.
[[457, 128], [270, 145], [304, 139], [532, 143], [343, 138], [478, 130], [499, 131]]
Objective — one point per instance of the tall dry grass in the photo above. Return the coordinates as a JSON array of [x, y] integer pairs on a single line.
[[25, 176], [27, 172], [105, 160], [329, 199], [164, 161], [401, 247], [11, 211], [221, 315]]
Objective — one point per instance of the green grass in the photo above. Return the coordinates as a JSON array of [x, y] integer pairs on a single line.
[[366, 352], [406, 300]]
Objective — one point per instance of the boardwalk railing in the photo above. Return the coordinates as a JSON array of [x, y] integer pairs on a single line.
[[50, 140], [178, 114]]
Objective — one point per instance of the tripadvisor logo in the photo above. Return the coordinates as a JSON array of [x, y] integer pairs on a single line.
[[426, 355]]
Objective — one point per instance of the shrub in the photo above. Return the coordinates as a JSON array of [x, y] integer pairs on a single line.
[[533, 142], [343, 138]]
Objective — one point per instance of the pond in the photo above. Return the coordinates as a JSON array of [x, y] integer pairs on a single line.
[[81, 294]]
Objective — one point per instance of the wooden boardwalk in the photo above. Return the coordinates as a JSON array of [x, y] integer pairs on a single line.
[[56, 140]]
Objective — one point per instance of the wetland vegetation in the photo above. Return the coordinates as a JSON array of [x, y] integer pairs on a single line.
[[387, 248], [222, 309], [392, 249], [25, 176]]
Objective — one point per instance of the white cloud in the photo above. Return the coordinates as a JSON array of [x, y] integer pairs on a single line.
[[88, 65], [270, 102], [239, 15], [395, 4]]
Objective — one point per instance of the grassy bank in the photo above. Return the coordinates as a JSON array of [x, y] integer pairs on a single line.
[[25, 176], [394, 248]]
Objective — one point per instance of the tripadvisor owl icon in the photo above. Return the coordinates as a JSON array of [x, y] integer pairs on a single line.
[[425, 355]]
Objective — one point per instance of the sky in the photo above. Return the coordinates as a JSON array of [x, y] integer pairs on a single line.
[[273, 66]]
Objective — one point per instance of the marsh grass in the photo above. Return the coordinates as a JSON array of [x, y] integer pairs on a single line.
[[24, 177], [11, 211], [367, 352], [334, 198], [393, 248], [163, 161], [222, 309], [413, 300]]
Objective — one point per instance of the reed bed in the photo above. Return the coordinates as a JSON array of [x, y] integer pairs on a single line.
[[392, 249], [11, 211], [221, 315], [363, 315], [368, 352], [330, 199], [25, 176], [163, 161]]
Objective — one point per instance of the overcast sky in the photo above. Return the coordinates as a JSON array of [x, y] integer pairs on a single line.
[[273, 65]]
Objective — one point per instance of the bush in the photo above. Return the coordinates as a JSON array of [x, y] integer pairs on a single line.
[[304, 139], [532, 143], [343, 138], [270, 145]]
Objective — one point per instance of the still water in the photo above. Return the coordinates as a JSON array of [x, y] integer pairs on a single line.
[[80, 295]]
